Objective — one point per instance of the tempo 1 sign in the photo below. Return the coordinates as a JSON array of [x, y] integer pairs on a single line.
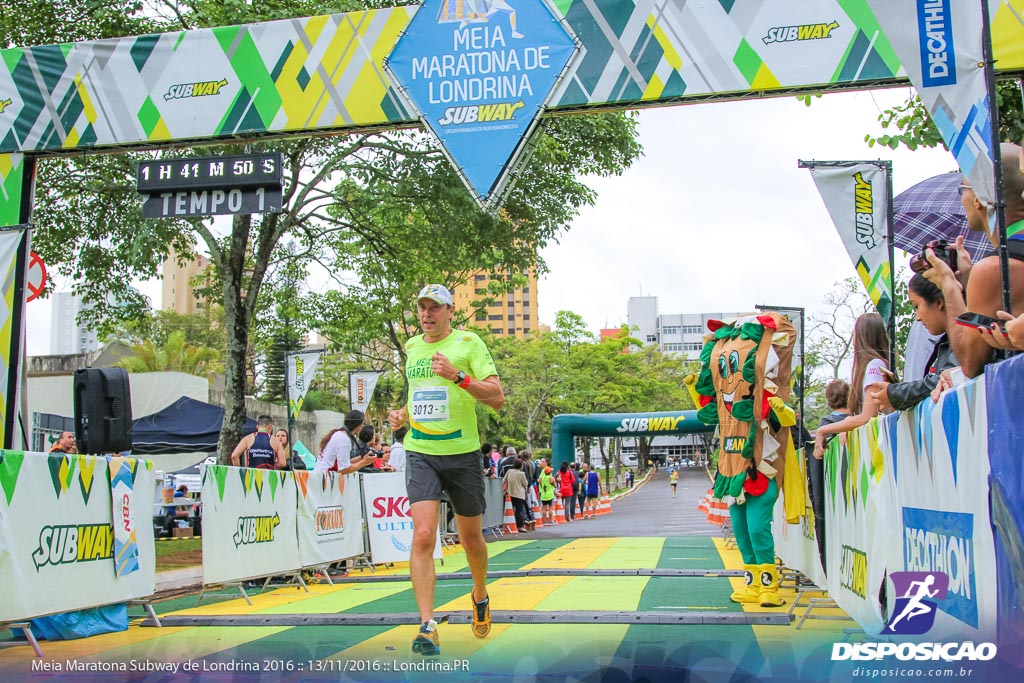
[[203, 186]]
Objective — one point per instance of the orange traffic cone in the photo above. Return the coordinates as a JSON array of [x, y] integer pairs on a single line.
[[509, 520]]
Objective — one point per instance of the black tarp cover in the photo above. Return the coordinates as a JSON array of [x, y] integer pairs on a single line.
[[185, 426]]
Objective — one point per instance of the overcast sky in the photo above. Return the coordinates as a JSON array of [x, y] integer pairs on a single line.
[[714, 217]]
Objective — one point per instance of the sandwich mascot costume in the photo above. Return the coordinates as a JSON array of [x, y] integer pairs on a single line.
[[743, 386]]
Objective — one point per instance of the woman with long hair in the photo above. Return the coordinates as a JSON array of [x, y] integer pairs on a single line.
[[930, 308], [870, 368]]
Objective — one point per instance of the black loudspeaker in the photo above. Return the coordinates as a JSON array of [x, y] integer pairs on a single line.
[[103, 411]]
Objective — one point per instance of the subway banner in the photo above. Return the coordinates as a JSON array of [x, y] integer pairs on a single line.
[[856, 196], [859, 506], [248, 523], [330, 517], [942, 507], [388, 521], [796, 543], [328, 72], [57, 533]]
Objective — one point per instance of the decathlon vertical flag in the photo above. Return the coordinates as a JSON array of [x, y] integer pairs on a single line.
[[939, 44], [361, 384], [301, 369], [856, 196]]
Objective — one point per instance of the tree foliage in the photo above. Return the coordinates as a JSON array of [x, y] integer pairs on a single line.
[[380, 213], [173, 355]]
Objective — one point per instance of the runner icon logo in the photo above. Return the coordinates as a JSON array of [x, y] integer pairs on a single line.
[[916, 602]]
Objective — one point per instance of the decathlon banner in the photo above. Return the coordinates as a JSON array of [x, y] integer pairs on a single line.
[[387, 518], [248, 523], [57, 531], [126, 523], [859, 502], [856, 196], [939, 45], [301, 370], [940, 471], [330, 517], [361, 385]]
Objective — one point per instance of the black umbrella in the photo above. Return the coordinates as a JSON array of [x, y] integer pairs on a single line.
[[932, 210]]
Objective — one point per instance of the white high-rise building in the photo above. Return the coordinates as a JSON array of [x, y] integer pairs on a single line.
[[67, 337], [677, 333]]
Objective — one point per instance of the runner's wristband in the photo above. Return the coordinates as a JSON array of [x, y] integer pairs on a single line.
[[464, 384]]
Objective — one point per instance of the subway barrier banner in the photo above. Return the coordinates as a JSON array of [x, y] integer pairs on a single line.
[[936, 458], [856, 196], [301, 370], [939, 45], [57, 534], [859, 502], [248, 523], [388, 520], [329, 518], [126, 523], [1004, 398], [361, 385]]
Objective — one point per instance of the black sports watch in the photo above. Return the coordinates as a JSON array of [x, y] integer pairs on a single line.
[[460, 377]]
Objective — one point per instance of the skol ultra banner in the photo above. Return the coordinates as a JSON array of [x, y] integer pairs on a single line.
[[859, 507], [248, 523], [388, 521], [330, 517], [361, 385], [57, 534], [939, 45], [301, 370], [856, 197], [939, 470]]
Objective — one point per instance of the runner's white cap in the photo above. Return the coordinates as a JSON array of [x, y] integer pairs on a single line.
[[438, 293]]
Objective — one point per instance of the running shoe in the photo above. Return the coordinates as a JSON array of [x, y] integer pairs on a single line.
[[426, 641], [481, 616]]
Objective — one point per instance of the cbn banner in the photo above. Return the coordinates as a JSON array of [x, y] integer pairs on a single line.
[[856, 197], [939, 45], [387, 518], [859, 502], [940, 469], [248, 523], [330, 517], [361, 385], [301, 370], [57, 533]]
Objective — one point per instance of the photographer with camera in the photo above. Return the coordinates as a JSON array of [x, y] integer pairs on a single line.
[[984, 286]]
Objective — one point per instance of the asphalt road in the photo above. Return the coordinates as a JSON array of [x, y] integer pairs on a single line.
[[649, 511]]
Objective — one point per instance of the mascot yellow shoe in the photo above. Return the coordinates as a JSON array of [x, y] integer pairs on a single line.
[[752, 592], [769, 594]]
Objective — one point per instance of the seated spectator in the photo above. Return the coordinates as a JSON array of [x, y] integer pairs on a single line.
[[930, 309], [984, 284]]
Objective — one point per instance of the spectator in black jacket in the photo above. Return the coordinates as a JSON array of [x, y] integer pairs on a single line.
[[930, 308]]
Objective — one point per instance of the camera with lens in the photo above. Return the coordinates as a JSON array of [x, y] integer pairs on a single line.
[[943, 251]]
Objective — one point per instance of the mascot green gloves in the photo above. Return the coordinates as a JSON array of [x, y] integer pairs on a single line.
[[743, 387]]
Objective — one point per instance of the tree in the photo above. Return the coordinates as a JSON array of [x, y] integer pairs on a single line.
[[915, 127], [174, 355], [380, 211]]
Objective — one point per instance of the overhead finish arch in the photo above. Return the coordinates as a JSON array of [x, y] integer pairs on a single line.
[[327, 74], [564, 428]]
